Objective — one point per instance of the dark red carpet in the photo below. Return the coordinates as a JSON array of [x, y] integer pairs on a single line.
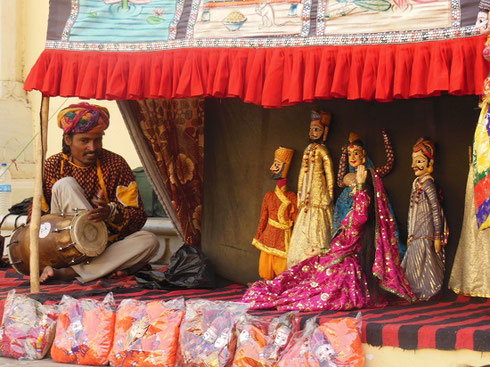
[[455, 322]]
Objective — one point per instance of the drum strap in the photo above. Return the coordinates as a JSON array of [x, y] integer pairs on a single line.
[[101, 181]]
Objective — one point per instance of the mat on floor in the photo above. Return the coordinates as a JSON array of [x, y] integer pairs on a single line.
[[455, 322]]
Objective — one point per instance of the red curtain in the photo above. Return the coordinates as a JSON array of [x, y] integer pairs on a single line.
[[272, 77]]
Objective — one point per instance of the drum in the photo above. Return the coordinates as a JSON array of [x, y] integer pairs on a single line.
[[64, 240]]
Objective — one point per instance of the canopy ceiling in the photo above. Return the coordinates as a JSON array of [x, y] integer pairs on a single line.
[[268, 52]]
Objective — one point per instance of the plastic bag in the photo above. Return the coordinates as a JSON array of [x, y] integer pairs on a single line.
[[262, 341], [336, 342], [345, 337], [85, 331], [28, 328], [206, 334], [147, 333], [299, 352], [188, 268]]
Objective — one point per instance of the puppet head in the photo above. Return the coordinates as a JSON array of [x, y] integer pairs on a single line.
[[282, 161], [322, 349], [223, 339], [215, 330], [356, 151], [319, 125], [281, 335], [423, 157]]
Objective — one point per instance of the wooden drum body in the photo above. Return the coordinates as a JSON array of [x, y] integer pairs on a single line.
[[64, 240]]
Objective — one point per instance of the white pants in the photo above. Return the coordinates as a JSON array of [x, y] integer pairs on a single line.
[[132, 252]]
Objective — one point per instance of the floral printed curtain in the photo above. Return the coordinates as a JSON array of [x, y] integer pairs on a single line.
[[169, 137]]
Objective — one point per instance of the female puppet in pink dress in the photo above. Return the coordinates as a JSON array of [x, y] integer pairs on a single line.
[[335, 280]]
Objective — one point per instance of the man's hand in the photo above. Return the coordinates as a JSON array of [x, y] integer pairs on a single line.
[[101, 209]]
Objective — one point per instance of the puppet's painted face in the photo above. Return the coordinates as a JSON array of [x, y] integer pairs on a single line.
[[222, 340], [282, 336], [324, 352], [244, 336], [316, 130], [357, 155], [303, 350], [277, 169], [421, 165], [210, 335]]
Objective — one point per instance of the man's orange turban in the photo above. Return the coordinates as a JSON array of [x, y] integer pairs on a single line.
[[83, 117]]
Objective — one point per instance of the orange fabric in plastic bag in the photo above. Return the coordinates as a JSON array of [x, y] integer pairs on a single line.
[[345, 338], [147, 333], [298, 357], [249, 353], [84, 332], [256, 345]]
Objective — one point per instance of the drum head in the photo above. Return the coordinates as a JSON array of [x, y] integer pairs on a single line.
[[90, 237]]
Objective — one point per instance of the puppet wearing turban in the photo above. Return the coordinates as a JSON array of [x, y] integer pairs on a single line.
[[276, 219], [424, 260], [315, 194]]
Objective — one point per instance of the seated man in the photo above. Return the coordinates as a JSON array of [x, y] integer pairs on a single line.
[[86, 176]]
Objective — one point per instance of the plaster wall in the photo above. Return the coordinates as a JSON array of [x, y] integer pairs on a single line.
[[116, 139]]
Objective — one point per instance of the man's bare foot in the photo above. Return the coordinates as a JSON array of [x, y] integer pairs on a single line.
[[61, 274], [48, 272]]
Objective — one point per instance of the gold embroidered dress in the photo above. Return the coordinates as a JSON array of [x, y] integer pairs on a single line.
[[471, 273], [313, 226]]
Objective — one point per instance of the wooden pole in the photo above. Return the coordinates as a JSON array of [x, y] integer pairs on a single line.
[[41, 146]]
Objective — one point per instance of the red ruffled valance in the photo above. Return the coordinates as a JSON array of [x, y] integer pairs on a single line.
[[272, 77]]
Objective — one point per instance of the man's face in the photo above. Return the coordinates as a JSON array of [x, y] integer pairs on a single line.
[[276, 169], [85, 147], [357, 156], [420, 164], [316, 130]]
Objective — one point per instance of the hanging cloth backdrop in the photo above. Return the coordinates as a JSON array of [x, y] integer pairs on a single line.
[[268, 52], [169, 138]]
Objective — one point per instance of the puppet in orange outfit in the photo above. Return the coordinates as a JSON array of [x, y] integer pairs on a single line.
[[279, 211]]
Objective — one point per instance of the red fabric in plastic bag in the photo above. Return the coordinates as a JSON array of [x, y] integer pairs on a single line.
[[85, 331], [147, 333]]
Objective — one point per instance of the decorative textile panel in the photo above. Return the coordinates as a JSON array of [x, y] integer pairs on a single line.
[[173, 131], [481, 166], [268, 52]]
